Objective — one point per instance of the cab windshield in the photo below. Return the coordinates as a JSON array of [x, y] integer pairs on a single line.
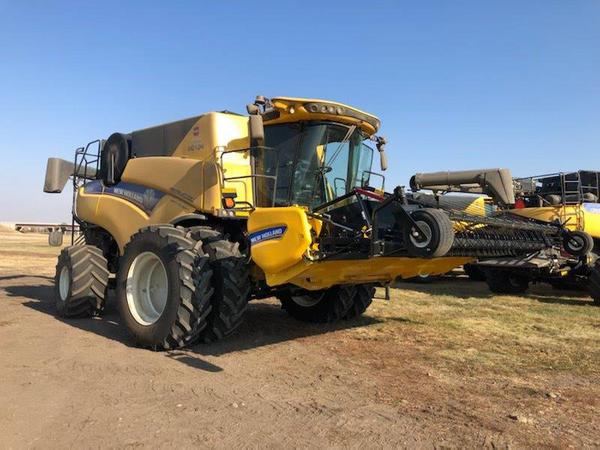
[[314, 162]]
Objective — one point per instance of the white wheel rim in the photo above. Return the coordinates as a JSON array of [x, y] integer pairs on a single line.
[[64, 281], [426, 231], [147, 288], [307, 300]]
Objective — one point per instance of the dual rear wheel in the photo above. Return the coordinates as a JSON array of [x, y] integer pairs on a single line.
[[174, 286]]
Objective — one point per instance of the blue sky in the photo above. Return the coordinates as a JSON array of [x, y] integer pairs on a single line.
[[457, 84]]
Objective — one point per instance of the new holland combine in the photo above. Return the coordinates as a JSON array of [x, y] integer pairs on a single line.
[[570, 199], [194, 218]]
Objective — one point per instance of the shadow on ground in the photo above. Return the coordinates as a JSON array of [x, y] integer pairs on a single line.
[[14, 277], [464, 288], [265, 324]]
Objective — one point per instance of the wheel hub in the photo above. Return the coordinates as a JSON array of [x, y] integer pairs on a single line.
[[426, 231], [64, 283], [147, 288]]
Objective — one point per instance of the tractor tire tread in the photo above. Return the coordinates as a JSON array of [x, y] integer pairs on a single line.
[[194, 288], [89, 281], [231, 280], [361, 301]]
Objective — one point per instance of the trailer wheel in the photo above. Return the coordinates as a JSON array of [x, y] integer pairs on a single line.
[[594, 282], [80, 281], [230, 279], [361, 300], [578, 243], [474, 273], [505, 282], [324, 306], [438, 230], [162, 305]]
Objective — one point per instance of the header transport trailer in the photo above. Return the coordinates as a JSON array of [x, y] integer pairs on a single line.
[[195, 218], [570, 199]]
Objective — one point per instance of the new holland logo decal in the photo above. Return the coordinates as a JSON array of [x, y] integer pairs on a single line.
[[267, 234]]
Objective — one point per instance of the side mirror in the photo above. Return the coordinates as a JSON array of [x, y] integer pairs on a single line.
[[383, 160], [380, 142], [257, 130]]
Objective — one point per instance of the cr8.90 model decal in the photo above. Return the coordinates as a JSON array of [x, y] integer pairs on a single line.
[[267, 234]]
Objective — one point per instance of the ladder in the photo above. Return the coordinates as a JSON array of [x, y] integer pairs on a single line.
[[572, 197], [570, 184]]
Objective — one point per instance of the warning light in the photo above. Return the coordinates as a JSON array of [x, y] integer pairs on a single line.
[[228, 202]]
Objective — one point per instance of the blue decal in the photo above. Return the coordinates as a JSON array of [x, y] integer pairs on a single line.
[[143, 197], [267, 234], [592, 207]]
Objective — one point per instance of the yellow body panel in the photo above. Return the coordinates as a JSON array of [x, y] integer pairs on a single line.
[[283, 247], [591, 220], [116, 215], [195, 183], [122, 218], [190, 185], [213, 134], [320, 275], [585, 217]]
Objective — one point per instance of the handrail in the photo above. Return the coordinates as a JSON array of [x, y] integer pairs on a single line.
[[253, 175]]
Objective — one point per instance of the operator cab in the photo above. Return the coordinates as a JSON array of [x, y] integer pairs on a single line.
[[317, 151]]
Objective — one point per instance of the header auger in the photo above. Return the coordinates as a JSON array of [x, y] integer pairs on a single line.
[[194, 218]]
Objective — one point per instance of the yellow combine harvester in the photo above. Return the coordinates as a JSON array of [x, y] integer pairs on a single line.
[[194, 218], [568, 198]]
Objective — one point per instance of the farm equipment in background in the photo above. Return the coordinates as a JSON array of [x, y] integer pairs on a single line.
[[194, 218], [568, 199]]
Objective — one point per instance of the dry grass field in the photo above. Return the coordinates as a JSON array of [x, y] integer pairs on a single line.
[[441, 365]]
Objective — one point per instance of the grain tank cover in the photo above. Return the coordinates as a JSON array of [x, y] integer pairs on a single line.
[[161, 140]]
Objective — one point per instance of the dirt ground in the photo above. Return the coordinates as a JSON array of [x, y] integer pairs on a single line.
[[440, 365]]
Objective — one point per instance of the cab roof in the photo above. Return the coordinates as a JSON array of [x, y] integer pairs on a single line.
[[291, 109]]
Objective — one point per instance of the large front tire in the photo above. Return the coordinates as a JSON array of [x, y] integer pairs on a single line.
[[362, 299], [230, 279], [324, 306], [80, 282], [163, 288]]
